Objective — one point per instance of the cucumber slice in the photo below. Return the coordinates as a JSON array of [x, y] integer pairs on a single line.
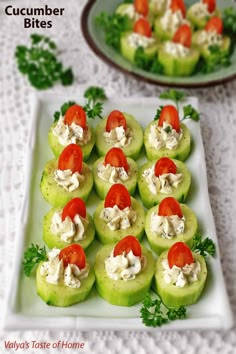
[[120, 292], [204, 49], [160, 244], [180, 153], [57, 147], [106, 236], [173, 296], [52, 240], [160, 32], [56, 195], [102, 187], [158, 10], [60, 294], [132, 150], [178, 66], [122, 10], [180, 193], [129, 52], [200, 22]]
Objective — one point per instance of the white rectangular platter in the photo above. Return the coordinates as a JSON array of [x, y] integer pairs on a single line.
[[25, 309]]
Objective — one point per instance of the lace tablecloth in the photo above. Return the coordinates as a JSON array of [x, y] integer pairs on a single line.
[[218, 125]]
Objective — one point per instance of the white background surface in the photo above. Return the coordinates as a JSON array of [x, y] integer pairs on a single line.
[[218, 126]]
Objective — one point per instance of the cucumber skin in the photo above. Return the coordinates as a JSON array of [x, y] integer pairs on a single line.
[[160, 33], [57, 148], [205, 53], [52, 240], [56, 195], [173, 296], [102, 187], [180, 153], [107, 236], [159, 244], [133, 150], [61, 295], [120, 292], [180, 193]]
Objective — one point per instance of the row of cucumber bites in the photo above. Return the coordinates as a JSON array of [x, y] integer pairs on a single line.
[[123, 268], [176, 36]]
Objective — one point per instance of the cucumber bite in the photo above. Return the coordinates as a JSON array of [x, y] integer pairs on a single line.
[[158, 7], [168, 223], [66, 178], [124, 273], [163, 178], [120, 130], [180, 276], [167, 137], [118, 215], [114, 168], [72, 128], [65, 279], [72, 224], [200, 13]]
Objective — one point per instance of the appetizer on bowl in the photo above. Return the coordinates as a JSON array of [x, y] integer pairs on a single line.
[[201, 11], [135, 10]]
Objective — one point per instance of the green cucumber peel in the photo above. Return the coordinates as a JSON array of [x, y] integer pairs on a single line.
[[33, 256]]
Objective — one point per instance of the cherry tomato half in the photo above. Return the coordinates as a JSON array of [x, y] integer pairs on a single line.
[[116, 157], [73, 207], [71, 158], [176, 5], [118, 195], [114, 120], [169, 206], [165, 165], [211, 5], [183, 35], [170, 115], [141, 6], [127, 244], [179, 255], [215, 24], [75, 114], [73, 254], [143, 27]]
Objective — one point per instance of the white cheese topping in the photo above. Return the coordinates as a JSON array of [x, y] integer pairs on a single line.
[[68, 180], [129, 10], [160, 5], [71, 134], [171, 21], [117, 219], [164, 137], [176, 49], [136, 40], [163, 183], [119, 137], [125, 266], [68, 230], [209, 38], [200, 9], [167, 226], [181, 276], [112, 174], [54, 271]]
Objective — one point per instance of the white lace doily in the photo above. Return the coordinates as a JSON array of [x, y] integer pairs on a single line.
[[218, 124]]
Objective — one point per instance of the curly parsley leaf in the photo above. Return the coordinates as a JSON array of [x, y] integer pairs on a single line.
[[173, 95], [203, 247], [215, 60], [63, 110], [93, 106], [154, 313], [191, 113], [33, 256], [229, 20], [146, 63], [158, 112]]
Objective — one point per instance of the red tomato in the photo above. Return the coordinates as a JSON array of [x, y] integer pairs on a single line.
[[116, 157], [170, 115], [179, 255], [114, 120], [165, 165], [183, 35], [169, 206], [211, 5], [215, 24], [73, 207], [118, 195], [75, 114], [71, 158], [143, 27], [178, 5], [73, 254], [141, 6], [127, 244]]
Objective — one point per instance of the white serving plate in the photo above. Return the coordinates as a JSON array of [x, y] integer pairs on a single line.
[[24, 308]]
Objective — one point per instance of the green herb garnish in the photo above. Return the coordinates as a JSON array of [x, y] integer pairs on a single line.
[[216, 59], [168, 129], [63, 110], [173, 95], [40, 63], [191, 113], [203, 247], [94, 107], [144, 62], [229, 20], [154, 313], [32, 256], [158, 112]]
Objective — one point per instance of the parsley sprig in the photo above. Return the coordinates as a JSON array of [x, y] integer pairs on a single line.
[[190, 112], [32, 256], [40, 64], [63, 110], [154, 313], [158, 112], [146, 63], [216, 59], [229, 20], [94, 106], [203, 247]]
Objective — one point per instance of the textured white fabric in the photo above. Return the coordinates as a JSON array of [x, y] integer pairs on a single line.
[[218, 125]]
